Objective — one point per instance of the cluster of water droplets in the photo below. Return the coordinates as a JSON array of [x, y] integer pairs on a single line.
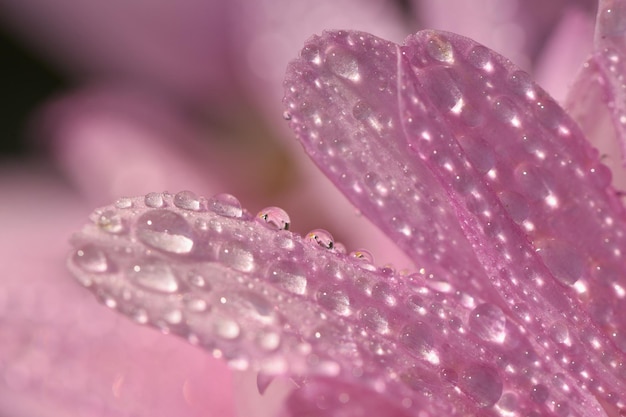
[[246, 289]]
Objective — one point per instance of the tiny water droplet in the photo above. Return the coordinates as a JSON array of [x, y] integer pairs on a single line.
[[187, 200], [311, 53], [482, 383], [364, 259], [165, 230], [480, 57], [196, 304], [560, 333], [140, 316], [322, 238], [539, 393], [173, 316], [153, 275], [374, 320], [286, 115], [488, 322], [226, 205], [154, 200], [124, 203], [111, 222], [274, 217], [198, 281], [91, 259]]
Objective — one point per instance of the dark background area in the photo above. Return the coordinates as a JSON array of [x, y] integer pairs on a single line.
[[26, 82]]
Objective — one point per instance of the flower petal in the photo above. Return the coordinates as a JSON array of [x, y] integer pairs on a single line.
[[514, 168]]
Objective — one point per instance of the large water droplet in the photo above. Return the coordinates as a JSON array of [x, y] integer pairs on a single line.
[[153, 275], [165, 230], [565, 264], [236, 257], [187, 200], [226, 205], [488, 322], [322, 238], [417, 339], [480, 57], [482, 383], [343, 64], [154, 200], [274, 217], [91, 259]]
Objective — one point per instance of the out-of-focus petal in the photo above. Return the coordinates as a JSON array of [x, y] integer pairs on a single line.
[[598, 100], [61, 355]]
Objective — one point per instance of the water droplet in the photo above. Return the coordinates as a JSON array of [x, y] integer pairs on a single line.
[[111, 222], [311, 53], [289, 276], [286, 115], [479, 153], [334, 300], [275, 218], [373, 181], [440, 49], [91, 259], [187, 200], [488, 322], [165, 230], [565, 264], [374, 320], [226, 205], [322, 238], [226, 328], [153, 275], [196, 304], [417, 338], [140, 316], [124, 203], [198, 281], [173, 316], [482, 383], [362, 255], [480, 57], [236, 257], [268, 341], [515, 205], [560, 333], [361, 110], [154, 200], [522, 84], [505, 109], [532, 181], [539, 393], [343, 64]]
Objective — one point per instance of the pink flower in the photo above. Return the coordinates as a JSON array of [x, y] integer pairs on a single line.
[[474, 172], [140, 123]]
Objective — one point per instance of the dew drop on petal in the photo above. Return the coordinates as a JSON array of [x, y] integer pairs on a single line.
[[488, 322], [153, 275], [124, 203], [343, 64], [322, 238], [268, 340], [226, 205], [111, 222], [165, 230], [154, 200], [196, 304], [289, 276], [187, 200], [565, 264], [417, 338], [334, 300], [226, 328], [274, 217], [236, 257], [440, 49], [480, 57], [482, 383], [374, 320], [91, 259]]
